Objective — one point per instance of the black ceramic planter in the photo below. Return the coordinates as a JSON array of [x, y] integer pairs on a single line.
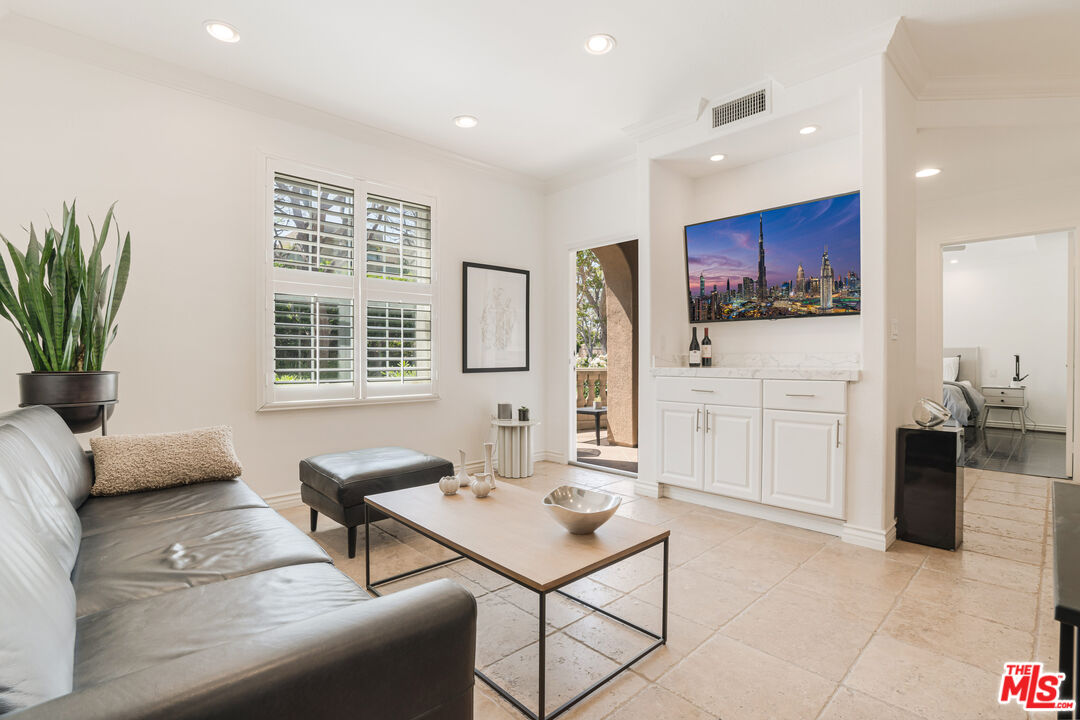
[[78, 397], [523, 415]]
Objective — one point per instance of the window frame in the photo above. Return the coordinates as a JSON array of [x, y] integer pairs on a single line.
[[358, 287]]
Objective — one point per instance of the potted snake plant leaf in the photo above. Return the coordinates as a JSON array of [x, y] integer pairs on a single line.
[[63, 304]]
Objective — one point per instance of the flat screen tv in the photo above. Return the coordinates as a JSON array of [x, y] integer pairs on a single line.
[[788, 262]]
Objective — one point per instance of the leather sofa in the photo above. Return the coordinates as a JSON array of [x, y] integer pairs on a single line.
[[199, 602]]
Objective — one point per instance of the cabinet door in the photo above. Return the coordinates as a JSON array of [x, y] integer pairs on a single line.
[[804, 461], [733, 451], [680, 444]]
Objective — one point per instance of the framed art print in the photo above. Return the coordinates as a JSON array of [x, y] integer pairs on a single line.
[[494, 318]]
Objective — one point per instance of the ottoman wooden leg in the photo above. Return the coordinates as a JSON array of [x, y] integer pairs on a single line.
[[352, 541], [314, 519]]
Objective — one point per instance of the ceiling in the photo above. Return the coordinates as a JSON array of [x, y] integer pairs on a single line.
[[546, 107]]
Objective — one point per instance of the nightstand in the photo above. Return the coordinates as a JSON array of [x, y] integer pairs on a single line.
[[1006, 398]]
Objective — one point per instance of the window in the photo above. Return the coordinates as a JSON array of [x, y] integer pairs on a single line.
[[344, 327]]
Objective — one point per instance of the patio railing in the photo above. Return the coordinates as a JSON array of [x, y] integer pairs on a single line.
[[591, 385]]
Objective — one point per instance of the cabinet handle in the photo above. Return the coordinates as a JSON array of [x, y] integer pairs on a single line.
[[706, 421], [698, 427], [801, 394], [700, 390], [837, 433]]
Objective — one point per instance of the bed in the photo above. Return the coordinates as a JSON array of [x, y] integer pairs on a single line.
[[962, 396]]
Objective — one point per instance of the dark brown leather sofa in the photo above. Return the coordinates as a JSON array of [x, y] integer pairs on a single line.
[[199, 602]]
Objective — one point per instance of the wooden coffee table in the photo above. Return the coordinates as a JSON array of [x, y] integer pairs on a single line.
[[511, 533]]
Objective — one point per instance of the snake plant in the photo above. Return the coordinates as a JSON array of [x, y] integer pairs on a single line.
[[63, 304]]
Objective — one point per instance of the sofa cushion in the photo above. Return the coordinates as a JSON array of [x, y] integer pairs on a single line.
[[29, 486], [155, 630], [350, 476], [126, 564], [134, 463], [99, 514], [53, 439], [37, 618]]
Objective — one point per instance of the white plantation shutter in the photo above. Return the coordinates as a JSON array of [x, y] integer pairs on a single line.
[[314, 341], [313, 226], [345, 325], [398, 342], [398, 240]]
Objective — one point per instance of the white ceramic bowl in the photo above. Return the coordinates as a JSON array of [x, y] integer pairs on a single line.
[[579, 510]]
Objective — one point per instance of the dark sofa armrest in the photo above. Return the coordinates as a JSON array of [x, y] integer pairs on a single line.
[[406, 656]]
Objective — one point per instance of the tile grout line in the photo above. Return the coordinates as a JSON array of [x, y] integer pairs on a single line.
[[884, 619]]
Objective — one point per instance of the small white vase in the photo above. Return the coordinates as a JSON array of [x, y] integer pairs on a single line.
[[464, 478], [489, 468], [480, 487], [448, 484]]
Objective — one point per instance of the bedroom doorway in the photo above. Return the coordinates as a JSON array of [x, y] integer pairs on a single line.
[[1007, 332]]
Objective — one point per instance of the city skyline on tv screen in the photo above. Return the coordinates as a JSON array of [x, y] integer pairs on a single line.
[[748, 267]]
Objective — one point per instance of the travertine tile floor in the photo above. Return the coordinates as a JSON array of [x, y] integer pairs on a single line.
[[768, 621]]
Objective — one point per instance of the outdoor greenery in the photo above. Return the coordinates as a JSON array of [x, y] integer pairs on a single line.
[[63, 304], [591, 311]]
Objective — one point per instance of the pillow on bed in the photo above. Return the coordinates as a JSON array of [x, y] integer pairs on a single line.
[[951, 368]]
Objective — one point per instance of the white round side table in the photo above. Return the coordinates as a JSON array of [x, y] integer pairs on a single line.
[[514, 447]]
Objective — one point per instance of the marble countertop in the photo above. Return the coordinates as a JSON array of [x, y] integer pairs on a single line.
[[766, 366], [764, 373]]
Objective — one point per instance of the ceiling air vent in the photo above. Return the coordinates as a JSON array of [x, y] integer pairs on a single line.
[[731, 111]]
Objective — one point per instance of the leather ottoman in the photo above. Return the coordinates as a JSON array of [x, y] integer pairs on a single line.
[[336, 484]]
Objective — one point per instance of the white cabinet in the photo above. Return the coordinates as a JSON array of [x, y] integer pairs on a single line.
[[733, 451], [711, 447], [803, 465], [782, 444], [680, 444]]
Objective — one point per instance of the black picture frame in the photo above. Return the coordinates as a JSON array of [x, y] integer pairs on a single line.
[[471, 364]]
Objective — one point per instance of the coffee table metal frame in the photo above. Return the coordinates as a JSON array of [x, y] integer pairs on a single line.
[[540, 714]]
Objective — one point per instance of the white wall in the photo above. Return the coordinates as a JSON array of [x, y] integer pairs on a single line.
[[824, 170], [596, 211], [1008, 297], [186, 172]]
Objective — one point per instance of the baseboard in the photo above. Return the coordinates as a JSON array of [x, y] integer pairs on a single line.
[[817, 523], [1031, 426], [647, 489], [550, 456], [282, 501], [869, 537], [477, 466]]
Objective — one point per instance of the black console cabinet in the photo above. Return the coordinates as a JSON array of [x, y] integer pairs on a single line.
[[930, 486]]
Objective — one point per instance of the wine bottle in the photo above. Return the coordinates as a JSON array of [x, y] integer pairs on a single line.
[[706, 350], [695, 350]]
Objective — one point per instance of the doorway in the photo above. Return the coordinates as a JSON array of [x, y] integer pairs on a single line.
[[604, 415], [1007, 332]]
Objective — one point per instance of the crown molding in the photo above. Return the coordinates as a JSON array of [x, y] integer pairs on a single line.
[[21, 30], [648, 129], [999, 87], [905, 59]]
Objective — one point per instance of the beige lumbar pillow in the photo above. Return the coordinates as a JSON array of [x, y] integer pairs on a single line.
[[132, 463]]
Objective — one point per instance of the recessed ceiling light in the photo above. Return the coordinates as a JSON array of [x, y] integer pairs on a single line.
[[717, 157], [927, 172], [222, 31], [599, 44], [808, 130], [466, 121], [954, 261]]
